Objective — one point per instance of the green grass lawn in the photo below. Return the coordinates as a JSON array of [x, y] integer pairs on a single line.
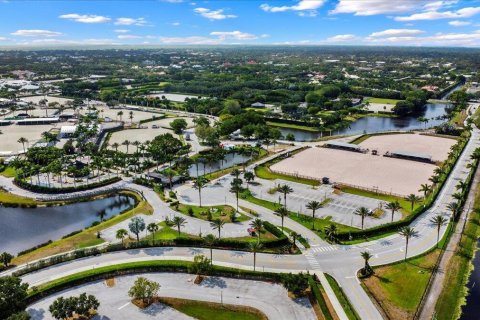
[[263, 172], [218, 212], [382, 100], [202, 310], [342, 298], [399, 287], [9, 172], [292, 126], [90, 243], [300, 239], [7, 197]]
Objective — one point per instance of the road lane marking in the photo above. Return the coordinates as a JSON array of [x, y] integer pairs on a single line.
[[126, 304]]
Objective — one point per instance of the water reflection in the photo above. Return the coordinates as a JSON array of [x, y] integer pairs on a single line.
[[23, 228], [434, 112], [205, 166], [471, 310]]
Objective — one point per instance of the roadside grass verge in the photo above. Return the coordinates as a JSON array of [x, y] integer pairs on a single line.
[[87, 236], [342, 298], [9, 172], [454, 292], [12, 199], [203, 310], [399, 287]]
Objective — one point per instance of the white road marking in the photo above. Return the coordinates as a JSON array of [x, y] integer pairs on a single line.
[[126, 304]]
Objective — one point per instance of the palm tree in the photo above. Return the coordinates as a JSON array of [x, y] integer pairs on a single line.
[[393, 206], [362, 212], [152, 228], [209, 241], [412, 198], [438, 221], [249, 177], [130, 115], [366, 256], [198, 184], [115, 146], [126, 143], [257, 224], [255, 247], [285, 189], [22, 140], [331, 232], [294, 237], [236, 187], [235, 172], [407, 232], [461, 185], [120, 114], [136, 143], [454, 207], [282, 212], [170, 173], [314, 206], [425, 188], [179, 222], [121, 234], [217, 224]]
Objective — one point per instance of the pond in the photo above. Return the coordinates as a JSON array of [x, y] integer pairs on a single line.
[[230, 160], [24, 228], [471, 310], [371, 124]]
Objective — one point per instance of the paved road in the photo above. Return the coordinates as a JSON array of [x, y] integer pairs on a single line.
[[272, 299]]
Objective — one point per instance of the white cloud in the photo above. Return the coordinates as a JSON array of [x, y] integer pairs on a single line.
[[56, 42], [121, 30], [128, 36], [236, 35], [213, 14], [3, 38], [36, 33], [438, 39], [190, 40], [341, 37], [131, 22], [435, 15], [175, 24], [373, 7], [458, 23], [85, 18], [397, 33], [305, 8], [265, 35]]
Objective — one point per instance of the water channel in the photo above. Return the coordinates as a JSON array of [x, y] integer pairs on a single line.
[[23, 228]]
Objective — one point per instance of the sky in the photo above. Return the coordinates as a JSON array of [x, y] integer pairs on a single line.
[[246, 22]]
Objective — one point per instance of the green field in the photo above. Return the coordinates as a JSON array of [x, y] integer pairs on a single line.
[[208, 310], [382, 100], [263, 172], [9, 172], [292, 126]]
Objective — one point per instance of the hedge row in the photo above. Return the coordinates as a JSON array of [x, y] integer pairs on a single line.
[[319, 297], [141, 267], [178, 242], [43, 189]]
